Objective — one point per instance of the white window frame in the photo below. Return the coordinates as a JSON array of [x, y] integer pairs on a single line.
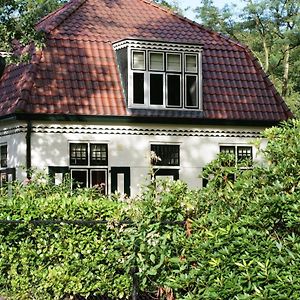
[[155, 106], [197, 90], [181, 90], [166, 49], [145, 59], [163, 62], [180, 60]]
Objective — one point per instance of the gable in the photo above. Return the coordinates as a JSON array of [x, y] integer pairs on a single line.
[[77, 71]]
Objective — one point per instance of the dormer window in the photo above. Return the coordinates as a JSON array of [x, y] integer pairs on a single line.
[[159, 75]]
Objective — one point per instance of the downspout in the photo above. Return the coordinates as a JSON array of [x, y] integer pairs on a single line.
[[28, 149]]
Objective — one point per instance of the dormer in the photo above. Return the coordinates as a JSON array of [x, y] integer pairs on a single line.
[[160, 75]]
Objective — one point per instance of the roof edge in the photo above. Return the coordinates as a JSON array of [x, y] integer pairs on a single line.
[[130, 119]]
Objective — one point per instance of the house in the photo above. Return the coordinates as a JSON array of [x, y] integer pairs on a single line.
[[118, 79]]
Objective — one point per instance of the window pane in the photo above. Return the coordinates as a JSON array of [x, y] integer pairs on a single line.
[[156, 89], [174, 90], [79, 178], [3, 156], [227, 149], [191, 91], [173, 62], [231, 159], [138, 60], [156, 61], [244, 154], [138, 88], [99, 154], [168, 155], [78, 154], [99, 180], [191, 63]]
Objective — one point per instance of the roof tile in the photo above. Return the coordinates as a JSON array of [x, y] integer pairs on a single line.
[[77, 74]]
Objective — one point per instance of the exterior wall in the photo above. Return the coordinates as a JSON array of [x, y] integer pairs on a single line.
[[129, 146], [14, 136]]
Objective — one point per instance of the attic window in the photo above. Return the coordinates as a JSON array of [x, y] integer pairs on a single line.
[[159, 75]]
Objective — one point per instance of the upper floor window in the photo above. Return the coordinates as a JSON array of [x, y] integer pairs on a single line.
[[160, 75]]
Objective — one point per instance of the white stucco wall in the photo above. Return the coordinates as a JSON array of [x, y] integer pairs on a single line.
[[14, 136], [129, 145]]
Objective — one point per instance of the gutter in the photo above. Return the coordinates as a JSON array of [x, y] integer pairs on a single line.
[[28, 149]]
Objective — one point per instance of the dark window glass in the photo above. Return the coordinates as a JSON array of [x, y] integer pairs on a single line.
[[227, 149], [2, 65], [244, 154], [78, 154], [3, 156], [156, 89], [191, 91], [79, 178], [138, 88], [99, 180], [98, 155], [174, 90], [168, 155]]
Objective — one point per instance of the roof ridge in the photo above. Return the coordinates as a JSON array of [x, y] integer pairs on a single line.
[[194, 23], [59, 15]]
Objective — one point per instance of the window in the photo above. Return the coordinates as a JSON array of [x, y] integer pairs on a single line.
[[161, 85], [160, 75], [3, 156], [242, 155], [168, 155], [166, 159], [84, 158]]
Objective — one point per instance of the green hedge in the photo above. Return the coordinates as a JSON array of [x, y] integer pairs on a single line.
[[230, 240]]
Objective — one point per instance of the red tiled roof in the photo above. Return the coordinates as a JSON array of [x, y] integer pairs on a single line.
[[77, 73]]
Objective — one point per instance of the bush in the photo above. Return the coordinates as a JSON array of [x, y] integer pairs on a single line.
[[230, 240]]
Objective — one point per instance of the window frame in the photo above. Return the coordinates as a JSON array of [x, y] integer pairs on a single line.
[[186, 90], [150, 70], [236, 160], [3, 146], [182, 54], [160, 165], [167, 90], [145, 59]]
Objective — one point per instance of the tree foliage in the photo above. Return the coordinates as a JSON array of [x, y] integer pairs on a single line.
[[18, 19], [230, 240], [271, 30]]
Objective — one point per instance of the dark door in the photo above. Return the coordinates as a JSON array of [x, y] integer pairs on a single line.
[[120, 180]]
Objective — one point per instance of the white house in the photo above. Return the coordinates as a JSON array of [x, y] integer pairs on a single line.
[[118, 79]]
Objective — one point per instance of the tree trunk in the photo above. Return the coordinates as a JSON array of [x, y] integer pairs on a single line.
[[286, 65], [266, 50]]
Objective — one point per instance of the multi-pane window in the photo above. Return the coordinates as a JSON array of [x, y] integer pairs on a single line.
[[168, 155], [79, 154], [3, 156], [162, 79], [83, 154], [242, 155], [89, 165], [98, 154]]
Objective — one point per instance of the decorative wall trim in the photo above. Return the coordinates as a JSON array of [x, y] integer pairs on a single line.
[[13, 130], [144, 131], [155, 45]]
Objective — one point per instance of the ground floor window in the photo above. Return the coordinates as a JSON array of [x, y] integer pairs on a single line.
[[165, 159], [96, 178], [7, 175]]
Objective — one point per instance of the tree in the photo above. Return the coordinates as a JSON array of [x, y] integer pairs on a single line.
[[18, 19], [271, 30]]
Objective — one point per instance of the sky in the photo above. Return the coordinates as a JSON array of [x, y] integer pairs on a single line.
[[194, 3]]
